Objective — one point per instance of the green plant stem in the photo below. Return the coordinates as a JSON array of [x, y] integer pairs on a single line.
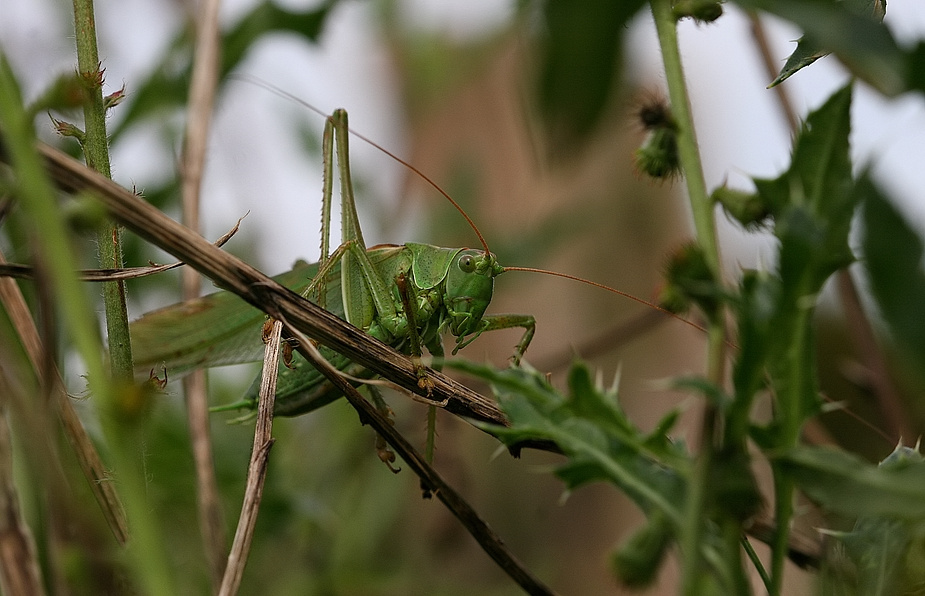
[[783, 512], [756, 562], [791, 388], [688, 150], [96, 151], [733, 536], [47, 227], [702, 208], [126, 445]]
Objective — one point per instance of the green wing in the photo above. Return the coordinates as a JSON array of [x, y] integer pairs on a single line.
[[214, 330]]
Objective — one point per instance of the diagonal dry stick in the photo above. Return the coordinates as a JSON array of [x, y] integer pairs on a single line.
[[490, 542]]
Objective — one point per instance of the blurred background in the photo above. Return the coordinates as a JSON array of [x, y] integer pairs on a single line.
[[457, 89]]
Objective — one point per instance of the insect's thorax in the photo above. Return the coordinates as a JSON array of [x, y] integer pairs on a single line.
[[447, 289]]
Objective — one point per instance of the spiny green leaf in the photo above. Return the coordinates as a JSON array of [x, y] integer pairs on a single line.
[[821, 164], [812, 204], [805, 54], [599, 440], [659, 440], [883, 554], [845, 484], [808, 51], [852, 31], [593, 404], [819, 177]]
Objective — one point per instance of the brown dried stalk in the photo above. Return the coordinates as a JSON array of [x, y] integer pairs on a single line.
[[199, 117], [18, 271], [257, 470]]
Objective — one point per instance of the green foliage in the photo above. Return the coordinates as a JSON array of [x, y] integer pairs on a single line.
[[747, 208], [603, 445], [883, 553], [638, 560], [849, 486], [688, 280], [702, 11], [807, 50], [658, 155], [589, 426], [46, 225], [810, 207]]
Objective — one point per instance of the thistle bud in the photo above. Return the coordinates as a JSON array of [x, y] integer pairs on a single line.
[[658, 155], [654, 113], [114, 98], [688, 280]]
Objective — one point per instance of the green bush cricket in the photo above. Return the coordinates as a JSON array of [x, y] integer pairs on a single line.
[[406, 296]]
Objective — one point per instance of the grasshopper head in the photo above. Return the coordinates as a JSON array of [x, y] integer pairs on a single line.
[[469, 284]]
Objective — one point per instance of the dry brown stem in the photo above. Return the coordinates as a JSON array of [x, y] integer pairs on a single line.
[[257, 470]]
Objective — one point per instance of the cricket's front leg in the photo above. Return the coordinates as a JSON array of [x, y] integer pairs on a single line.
[[406, 291], [496, 322]]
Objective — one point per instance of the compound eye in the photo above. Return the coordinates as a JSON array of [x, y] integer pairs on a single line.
[[467, 263]]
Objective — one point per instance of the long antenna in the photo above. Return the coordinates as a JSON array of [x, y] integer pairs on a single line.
[[610, 289], [285, 94]]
